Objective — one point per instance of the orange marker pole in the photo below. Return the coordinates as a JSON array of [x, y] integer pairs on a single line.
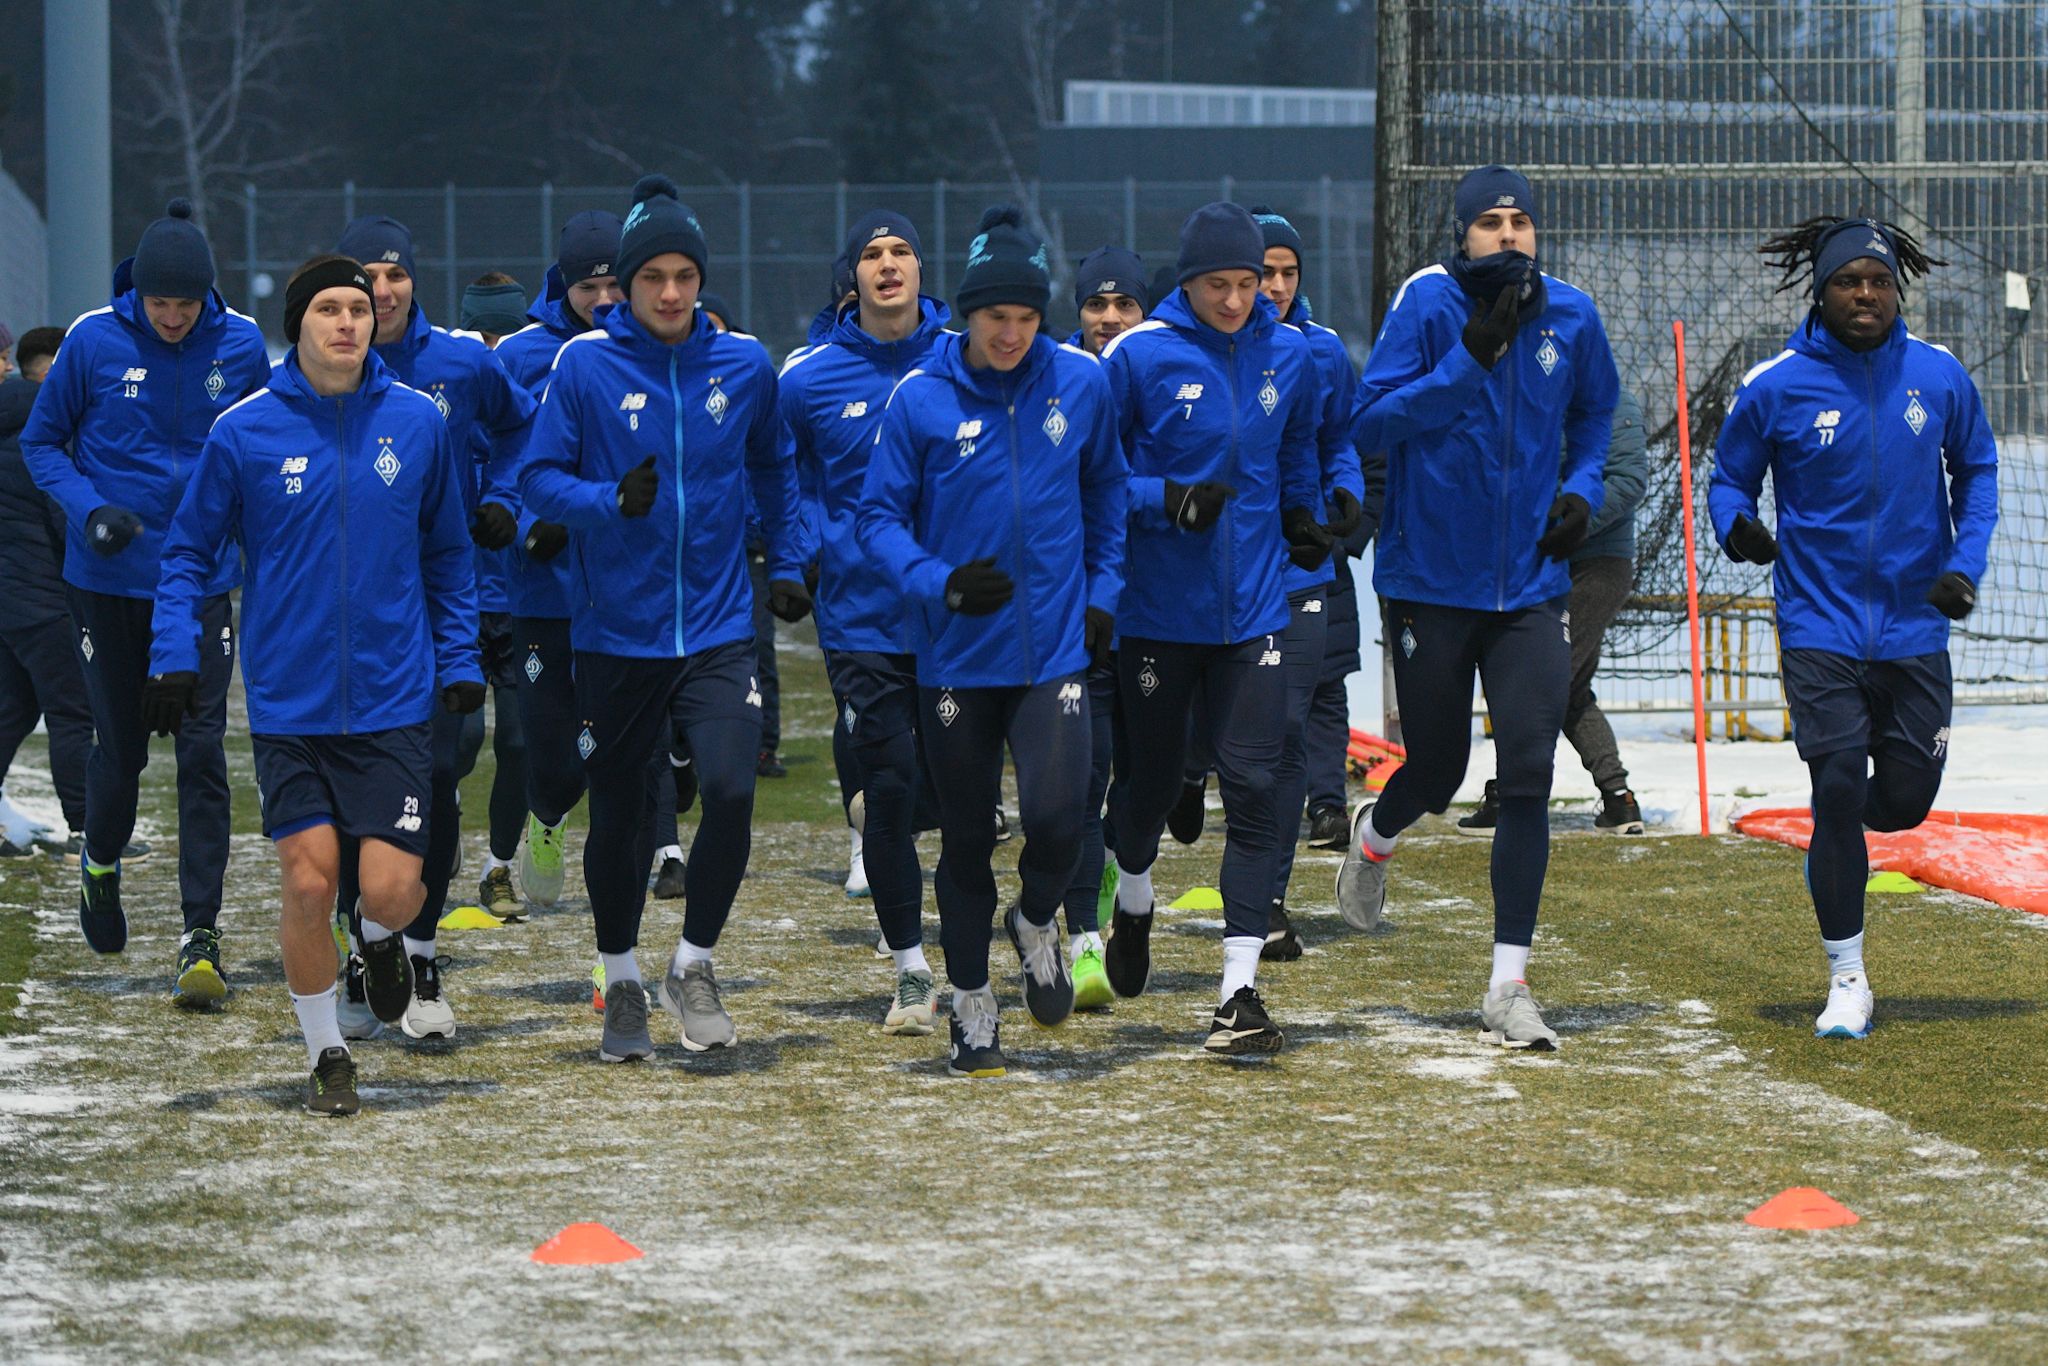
[[1692, 576]]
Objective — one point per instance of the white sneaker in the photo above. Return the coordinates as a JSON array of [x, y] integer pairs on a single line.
[[857, 871], [910, 1010], [428, 1015], [1850, 1006], [1508, 1016]]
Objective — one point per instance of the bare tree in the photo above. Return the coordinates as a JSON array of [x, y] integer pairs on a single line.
[[209, 70]]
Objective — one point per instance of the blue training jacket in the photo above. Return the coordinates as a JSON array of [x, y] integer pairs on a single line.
[[1473, 454], [487, 416], [1023, 466], [1241, 408], [1855, 444], [1336, 455], [134, 411], [537, 588], [673, 582], [360, 602], [832, 398]]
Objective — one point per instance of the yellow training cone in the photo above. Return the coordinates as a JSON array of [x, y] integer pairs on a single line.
[[1199, 899], [470, 918], [1894, 884]]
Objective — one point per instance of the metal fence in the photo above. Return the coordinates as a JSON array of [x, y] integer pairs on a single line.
[[1666, 139], [772, 245]]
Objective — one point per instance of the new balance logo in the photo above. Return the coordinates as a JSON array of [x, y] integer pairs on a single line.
[[1313, 606], [392, 257], [1877, 245], [1070, 699], [1940, 743], [409, 824], [968, 430], [1831, 418], [857, 408], [1188, 393], [1506, 201], [134, 374], [753, 692], [632, 403], [1269, 658], [293, 464]]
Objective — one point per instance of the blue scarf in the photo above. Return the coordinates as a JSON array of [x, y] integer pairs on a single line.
[[1483, 280]]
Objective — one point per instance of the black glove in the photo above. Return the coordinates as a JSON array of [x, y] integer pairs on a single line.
[[1345, 514], [1308, 541], [462, 698], [1098, 631], [978, 588], [788, 599], [1566, 525], [1953, 595], [492, 526], [111, 528], [1489, 335], [1195, 507], [811, 573], [545, 541], [167, 699], [1751, 540], [637, 488]]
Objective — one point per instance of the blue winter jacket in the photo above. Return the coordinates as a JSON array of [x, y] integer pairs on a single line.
[[487, 416], [1335, 453], [1855, 444], [832, 398], [1472, 453], [360, 601], [1195, 404], [538, 588], [1023, 466], [134, 411], [673, 582]]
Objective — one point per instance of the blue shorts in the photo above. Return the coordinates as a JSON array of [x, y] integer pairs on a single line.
[[372, 786], [1897, 707]]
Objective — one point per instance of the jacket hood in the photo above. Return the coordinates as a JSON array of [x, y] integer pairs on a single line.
[[948, 357], [1177, 311], [290, 382], [620, 323], [846, 331], [127, 305], [1813, 339]]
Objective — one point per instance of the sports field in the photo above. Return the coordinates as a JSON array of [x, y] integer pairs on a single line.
[[1385, 1189]]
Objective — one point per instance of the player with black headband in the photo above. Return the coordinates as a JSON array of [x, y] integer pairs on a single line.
[[1885, 478]]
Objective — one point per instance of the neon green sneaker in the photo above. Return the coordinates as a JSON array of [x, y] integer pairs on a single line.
[[1091, 983], [1105, 900], [540, 862], [199, 984]]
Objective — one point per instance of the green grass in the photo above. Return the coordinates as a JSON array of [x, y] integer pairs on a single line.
[[1387, 1188]]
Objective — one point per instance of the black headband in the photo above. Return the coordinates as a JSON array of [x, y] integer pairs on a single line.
[[335, 273]]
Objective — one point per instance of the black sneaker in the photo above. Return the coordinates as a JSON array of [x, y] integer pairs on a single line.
[[1282, 944], [768, 764], [199, 984], [1619, 814], [72, 849], [1482, 821], [1241, 1025], [668, 883], [1127, 953], [331, 1090], [1048, 990], [1327, 827], [99, 910], [1190, 809], [977, 1045], [9, 849], [387, 978]]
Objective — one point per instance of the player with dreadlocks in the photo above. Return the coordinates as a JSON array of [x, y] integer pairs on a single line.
[[1854, 421]]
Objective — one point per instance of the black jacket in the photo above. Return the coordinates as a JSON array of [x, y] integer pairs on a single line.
[[31, 551]]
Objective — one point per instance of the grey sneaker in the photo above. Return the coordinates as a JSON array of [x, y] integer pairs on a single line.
[[1361, 881], [910, 1011], [692, 997], [352, 1006], [1509, 1017], [1048, 990], [625, 1024]]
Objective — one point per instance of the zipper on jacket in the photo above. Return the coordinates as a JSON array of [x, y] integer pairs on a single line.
[[1870, 501], [1501, 495], [675, 396], [177, 420], [1017, 535], [341, 575], [1227, 528]]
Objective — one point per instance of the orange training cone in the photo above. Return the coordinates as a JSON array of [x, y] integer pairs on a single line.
[[586, 1245], [1801, 1207]]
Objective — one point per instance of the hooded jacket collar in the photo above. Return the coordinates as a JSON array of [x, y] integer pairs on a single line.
[[847, 332], [127, 305], [949, 358], [1814, 339], [1176, 311], [289, 382], [621, 325]]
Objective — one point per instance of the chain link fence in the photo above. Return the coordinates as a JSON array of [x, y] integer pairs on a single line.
[[1666, 139]]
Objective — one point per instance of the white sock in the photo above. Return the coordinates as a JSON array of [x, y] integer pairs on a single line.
[[492, 863], [1133, 890], [1510, 964], [620, 967], [1081, 943], [1240, 962], [910, 959], [419, 948], [667, 852], [1377, 844], [856, 845], [317, 1023], [373, 933], [1844, 955], [688, 953]]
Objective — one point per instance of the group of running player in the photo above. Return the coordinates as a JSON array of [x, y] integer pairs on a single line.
[[1102, 556]]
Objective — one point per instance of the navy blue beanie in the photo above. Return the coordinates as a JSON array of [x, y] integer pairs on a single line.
[[1851, 240], [880, 223], [1219, 236], [173, 261], [707, 302], [842, 279], [1278, 232], [375, 239], [1163, 284], [1112, 270], [589, 246], [1489, 188], [659, 223], [1005, 265]]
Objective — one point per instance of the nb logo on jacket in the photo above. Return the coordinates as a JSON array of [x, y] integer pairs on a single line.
[[857, 408]]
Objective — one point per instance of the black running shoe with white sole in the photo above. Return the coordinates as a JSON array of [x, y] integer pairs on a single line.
[[387, 978], [1327, 827], [331, 1090], [1484, 817], [1619, 814], [1048, 990], [1241, 1025], [1283, 944], [1127, 953]]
